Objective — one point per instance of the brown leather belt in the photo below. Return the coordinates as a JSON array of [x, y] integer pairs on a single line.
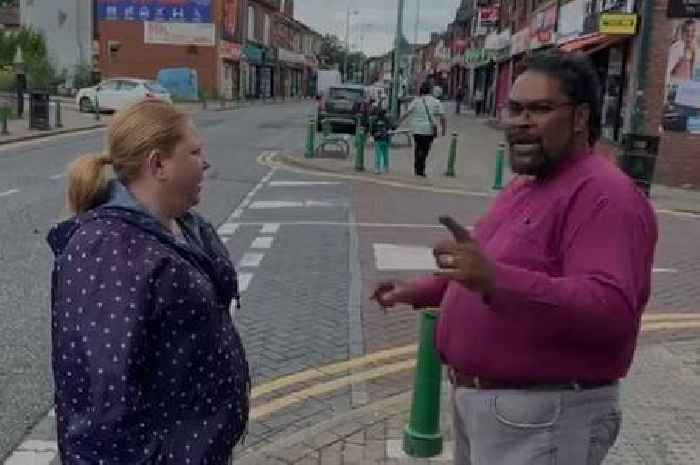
[[475, 382]]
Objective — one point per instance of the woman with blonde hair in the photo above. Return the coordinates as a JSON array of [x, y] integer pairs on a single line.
[[148, 365]]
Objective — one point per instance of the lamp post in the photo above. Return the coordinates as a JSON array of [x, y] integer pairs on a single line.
[[347, 43], [396, 84], [18, 65]]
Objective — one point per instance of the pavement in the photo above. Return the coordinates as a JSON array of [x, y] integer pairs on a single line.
[[477, 144], [332, 375]]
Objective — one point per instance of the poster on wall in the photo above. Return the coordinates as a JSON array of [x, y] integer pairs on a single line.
[[230, 20], [542, 28], [682, 106], [175, 11]]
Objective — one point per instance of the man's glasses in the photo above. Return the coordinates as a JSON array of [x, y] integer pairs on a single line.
[[534, 110]]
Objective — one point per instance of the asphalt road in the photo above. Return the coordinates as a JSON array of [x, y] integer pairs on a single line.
[[31, 199]]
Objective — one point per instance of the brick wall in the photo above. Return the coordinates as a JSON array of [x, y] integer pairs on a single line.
[[679, 153], [139, 60]]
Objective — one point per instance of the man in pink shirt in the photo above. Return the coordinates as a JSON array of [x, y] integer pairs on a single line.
[[541, 306]]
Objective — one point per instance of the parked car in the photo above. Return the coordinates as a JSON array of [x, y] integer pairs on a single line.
[[118, 93], [343, 103]]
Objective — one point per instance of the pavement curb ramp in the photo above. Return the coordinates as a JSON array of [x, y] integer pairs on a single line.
[[46, 135], [307, 441]]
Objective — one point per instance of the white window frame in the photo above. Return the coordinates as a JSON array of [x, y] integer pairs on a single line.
[[266, 30], [251, 23]]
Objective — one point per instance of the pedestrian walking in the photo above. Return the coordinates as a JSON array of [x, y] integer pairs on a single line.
[[541, 304], [479, 101], [423, 112], [147, 362], [381, 133], [459, 98]]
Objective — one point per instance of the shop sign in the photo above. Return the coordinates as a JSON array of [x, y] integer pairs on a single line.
[[478, 56], [488, 16], [230, 50], [491, 42], [618, 23], [290, 57], [683, 9], [175, 11], [521, 41], [230, 20], [570, 20], [543, 27], [203, 35]]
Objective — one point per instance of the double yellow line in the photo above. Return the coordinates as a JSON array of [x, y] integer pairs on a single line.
[[378, 367]]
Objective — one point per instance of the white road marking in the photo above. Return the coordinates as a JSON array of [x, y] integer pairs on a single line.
[[39, 446], [244, 281], [302, 183], [665, 270], [56, 177], [403, 257], [236, 214], [353, 225], [9, 192], [228, 229], [271, 204], [270, 228], [251, 260], [264, 242]]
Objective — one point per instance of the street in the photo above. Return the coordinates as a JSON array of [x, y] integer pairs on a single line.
[[308, 248]]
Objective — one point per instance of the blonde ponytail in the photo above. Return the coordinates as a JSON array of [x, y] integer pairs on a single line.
[[87, 183]]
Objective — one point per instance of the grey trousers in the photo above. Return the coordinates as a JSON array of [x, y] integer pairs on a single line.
[[518, 427]]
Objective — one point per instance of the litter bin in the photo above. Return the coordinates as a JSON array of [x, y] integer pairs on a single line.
[[39, 114], [638, 159]]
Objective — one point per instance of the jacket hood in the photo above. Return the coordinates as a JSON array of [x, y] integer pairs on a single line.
[[119, 200]]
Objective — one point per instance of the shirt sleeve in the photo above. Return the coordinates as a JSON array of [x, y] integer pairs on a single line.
[[102, 308], [429, 291], [607, 260]]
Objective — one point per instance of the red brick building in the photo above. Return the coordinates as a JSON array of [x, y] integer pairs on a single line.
[[139, 41]]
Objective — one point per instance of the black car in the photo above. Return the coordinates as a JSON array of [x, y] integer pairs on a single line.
[[343, 105]]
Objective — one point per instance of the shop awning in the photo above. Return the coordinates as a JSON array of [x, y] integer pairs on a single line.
[[591, 43]]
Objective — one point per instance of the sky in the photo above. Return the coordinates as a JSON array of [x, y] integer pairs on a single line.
[[375, 20]]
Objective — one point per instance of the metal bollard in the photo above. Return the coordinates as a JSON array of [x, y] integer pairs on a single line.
[[360, 142], [97, 107], [5, 115], [311, 139], [421, 437], [500, 159], [59, 122], [452, 156]]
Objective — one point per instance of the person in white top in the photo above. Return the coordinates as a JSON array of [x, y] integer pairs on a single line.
[[423, 114]]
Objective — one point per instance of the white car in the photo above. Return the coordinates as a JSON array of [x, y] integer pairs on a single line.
[[118, 93]]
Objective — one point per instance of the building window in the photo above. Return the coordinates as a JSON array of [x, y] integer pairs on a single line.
[[251, 23], [266, 33]]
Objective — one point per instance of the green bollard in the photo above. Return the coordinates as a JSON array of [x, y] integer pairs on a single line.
[[452, 157], [421, 437], [222, 103], [59, 122], [311, 139], [97, 107], [360, 142], [500, 159], [5, 114]]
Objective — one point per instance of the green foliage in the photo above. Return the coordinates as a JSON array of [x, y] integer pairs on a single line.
[[333, 54], [83, 77], [41, 74]]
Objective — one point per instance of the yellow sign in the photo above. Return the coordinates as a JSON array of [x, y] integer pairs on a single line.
[[618, 23]]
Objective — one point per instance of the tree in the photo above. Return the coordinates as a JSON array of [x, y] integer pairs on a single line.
[[9, 3], [333, 54]]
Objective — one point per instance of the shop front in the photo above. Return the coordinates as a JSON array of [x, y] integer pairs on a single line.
[[230, 54], [291, 72], [255, 58], [483, 72], [499, 46], [608, 42]]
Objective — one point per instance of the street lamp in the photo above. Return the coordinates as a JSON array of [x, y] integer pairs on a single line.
[[347, 42], [396, 85]]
